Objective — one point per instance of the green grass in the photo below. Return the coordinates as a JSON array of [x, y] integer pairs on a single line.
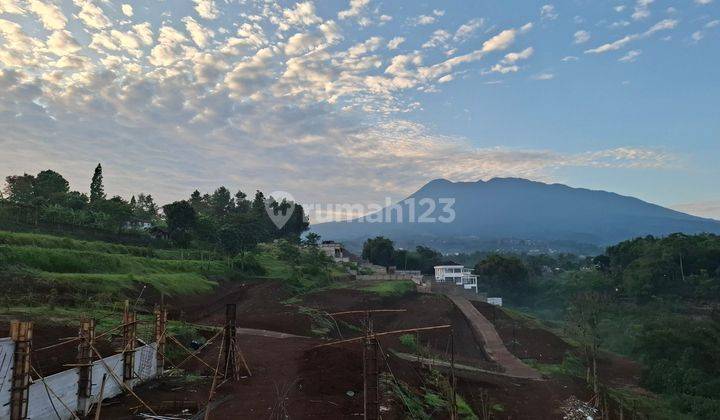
[[168, 283], [73, 261], [59, 242], [391, 288], [106, 318], [44, 269]]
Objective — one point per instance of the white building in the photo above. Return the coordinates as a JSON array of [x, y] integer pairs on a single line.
[[335, 251], [456, 273]]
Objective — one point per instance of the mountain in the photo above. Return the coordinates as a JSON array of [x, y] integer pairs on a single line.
[[515, 214]]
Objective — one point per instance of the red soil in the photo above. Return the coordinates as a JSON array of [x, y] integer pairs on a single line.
[[291, 377]]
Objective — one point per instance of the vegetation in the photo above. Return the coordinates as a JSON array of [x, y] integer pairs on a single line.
[[653, 299], [392, 288], [220, 221], [381, 251]]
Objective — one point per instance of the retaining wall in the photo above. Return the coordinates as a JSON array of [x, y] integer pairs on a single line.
[[65, 384]]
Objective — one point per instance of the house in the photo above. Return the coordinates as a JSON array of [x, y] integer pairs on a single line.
[[451, 272], [137, 225], [335, 251]]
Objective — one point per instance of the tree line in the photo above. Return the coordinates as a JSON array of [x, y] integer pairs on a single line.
[[221, 220]]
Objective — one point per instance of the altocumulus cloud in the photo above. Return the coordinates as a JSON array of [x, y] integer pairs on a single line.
[[284, 100]]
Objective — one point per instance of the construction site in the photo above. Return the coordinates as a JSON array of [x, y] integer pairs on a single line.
[[254, 350]]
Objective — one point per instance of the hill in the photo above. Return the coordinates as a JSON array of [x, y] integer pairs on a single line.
[[516, 215]]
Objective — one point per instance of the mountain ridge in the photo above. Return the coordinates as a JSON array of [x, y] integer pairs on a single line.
[[516, 208]]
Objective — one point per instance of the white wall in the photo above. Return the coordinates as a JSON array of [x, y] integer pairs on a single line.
[[64, 384]]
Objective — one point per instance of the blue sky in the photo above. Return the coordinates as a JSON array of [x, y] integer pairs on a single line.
[[355, 101]]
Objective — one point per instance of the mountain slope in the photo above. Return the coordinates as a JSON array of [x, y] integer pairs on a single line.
[[504, 209]]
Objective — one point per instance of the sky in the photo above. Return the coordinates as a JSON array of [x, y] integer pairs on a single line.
[[354, 101]]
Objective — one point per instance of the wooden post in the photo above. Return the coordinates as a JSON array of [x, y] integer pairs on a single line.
[[21, 334], [160, 338], [229, 356], [371, 386], [84, 363], [98, 405], [129, 339], [453, 383]]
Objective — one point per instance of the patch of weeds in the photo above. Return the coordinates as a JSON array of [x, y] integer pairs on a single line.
[[408, 340], [320, 323], [570, 366]]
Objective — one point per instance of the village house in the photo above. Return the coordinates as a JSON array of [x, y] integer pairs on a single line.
[[335, 251], [451, 272]]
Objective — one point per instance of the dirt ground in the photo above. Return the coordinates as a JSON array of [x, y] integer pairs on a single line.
[[292, 378], [53, 360]]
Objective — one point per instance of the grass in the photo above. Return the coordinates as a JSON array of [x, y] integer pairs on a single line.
[[570, 366], [391, 288], [45, 270], [74, 261], [59, 242], [168, 283], [106, 317]]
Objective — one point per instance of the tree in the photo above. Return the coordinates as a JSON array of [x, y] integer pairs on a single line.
[[19, 188], [429, 258], [221, 202], [584, 316], [144, 207], [50, 186], [97, 190], [76, 200], [312, 239], [502, 270], [181, 220], [242, 204], [379, 250], [117, 212]]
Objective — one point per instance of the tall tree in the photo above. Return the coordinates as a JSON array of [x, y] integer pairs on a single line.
[[379, 250], [19, 188], [50, 186], [181, 220], [312, 239], [221, 202], [97, 190]]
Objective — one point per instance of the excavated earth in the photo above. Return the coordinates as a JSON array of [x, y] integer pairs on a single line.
[[290, 377]]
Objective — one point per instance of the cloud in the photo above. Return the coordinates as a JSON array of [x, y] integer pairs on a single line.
[[438, 38], [62, 43], [547, 12], [395, 42], [466, 30], [422, 20], [663, 25], [127, 10], [517, 56], [703, 2], [712, 24], [302, 15], [356, 7], [581, 37], [251, 101], [200, 35], [709, 209], [50, 15], [543, 76], [11, 7], [630, 57], [206, 9], [642, 9], [500, 41]]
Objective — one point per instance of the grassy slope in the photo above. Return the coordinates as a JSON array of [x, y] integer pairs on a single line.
[[90, 267]]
